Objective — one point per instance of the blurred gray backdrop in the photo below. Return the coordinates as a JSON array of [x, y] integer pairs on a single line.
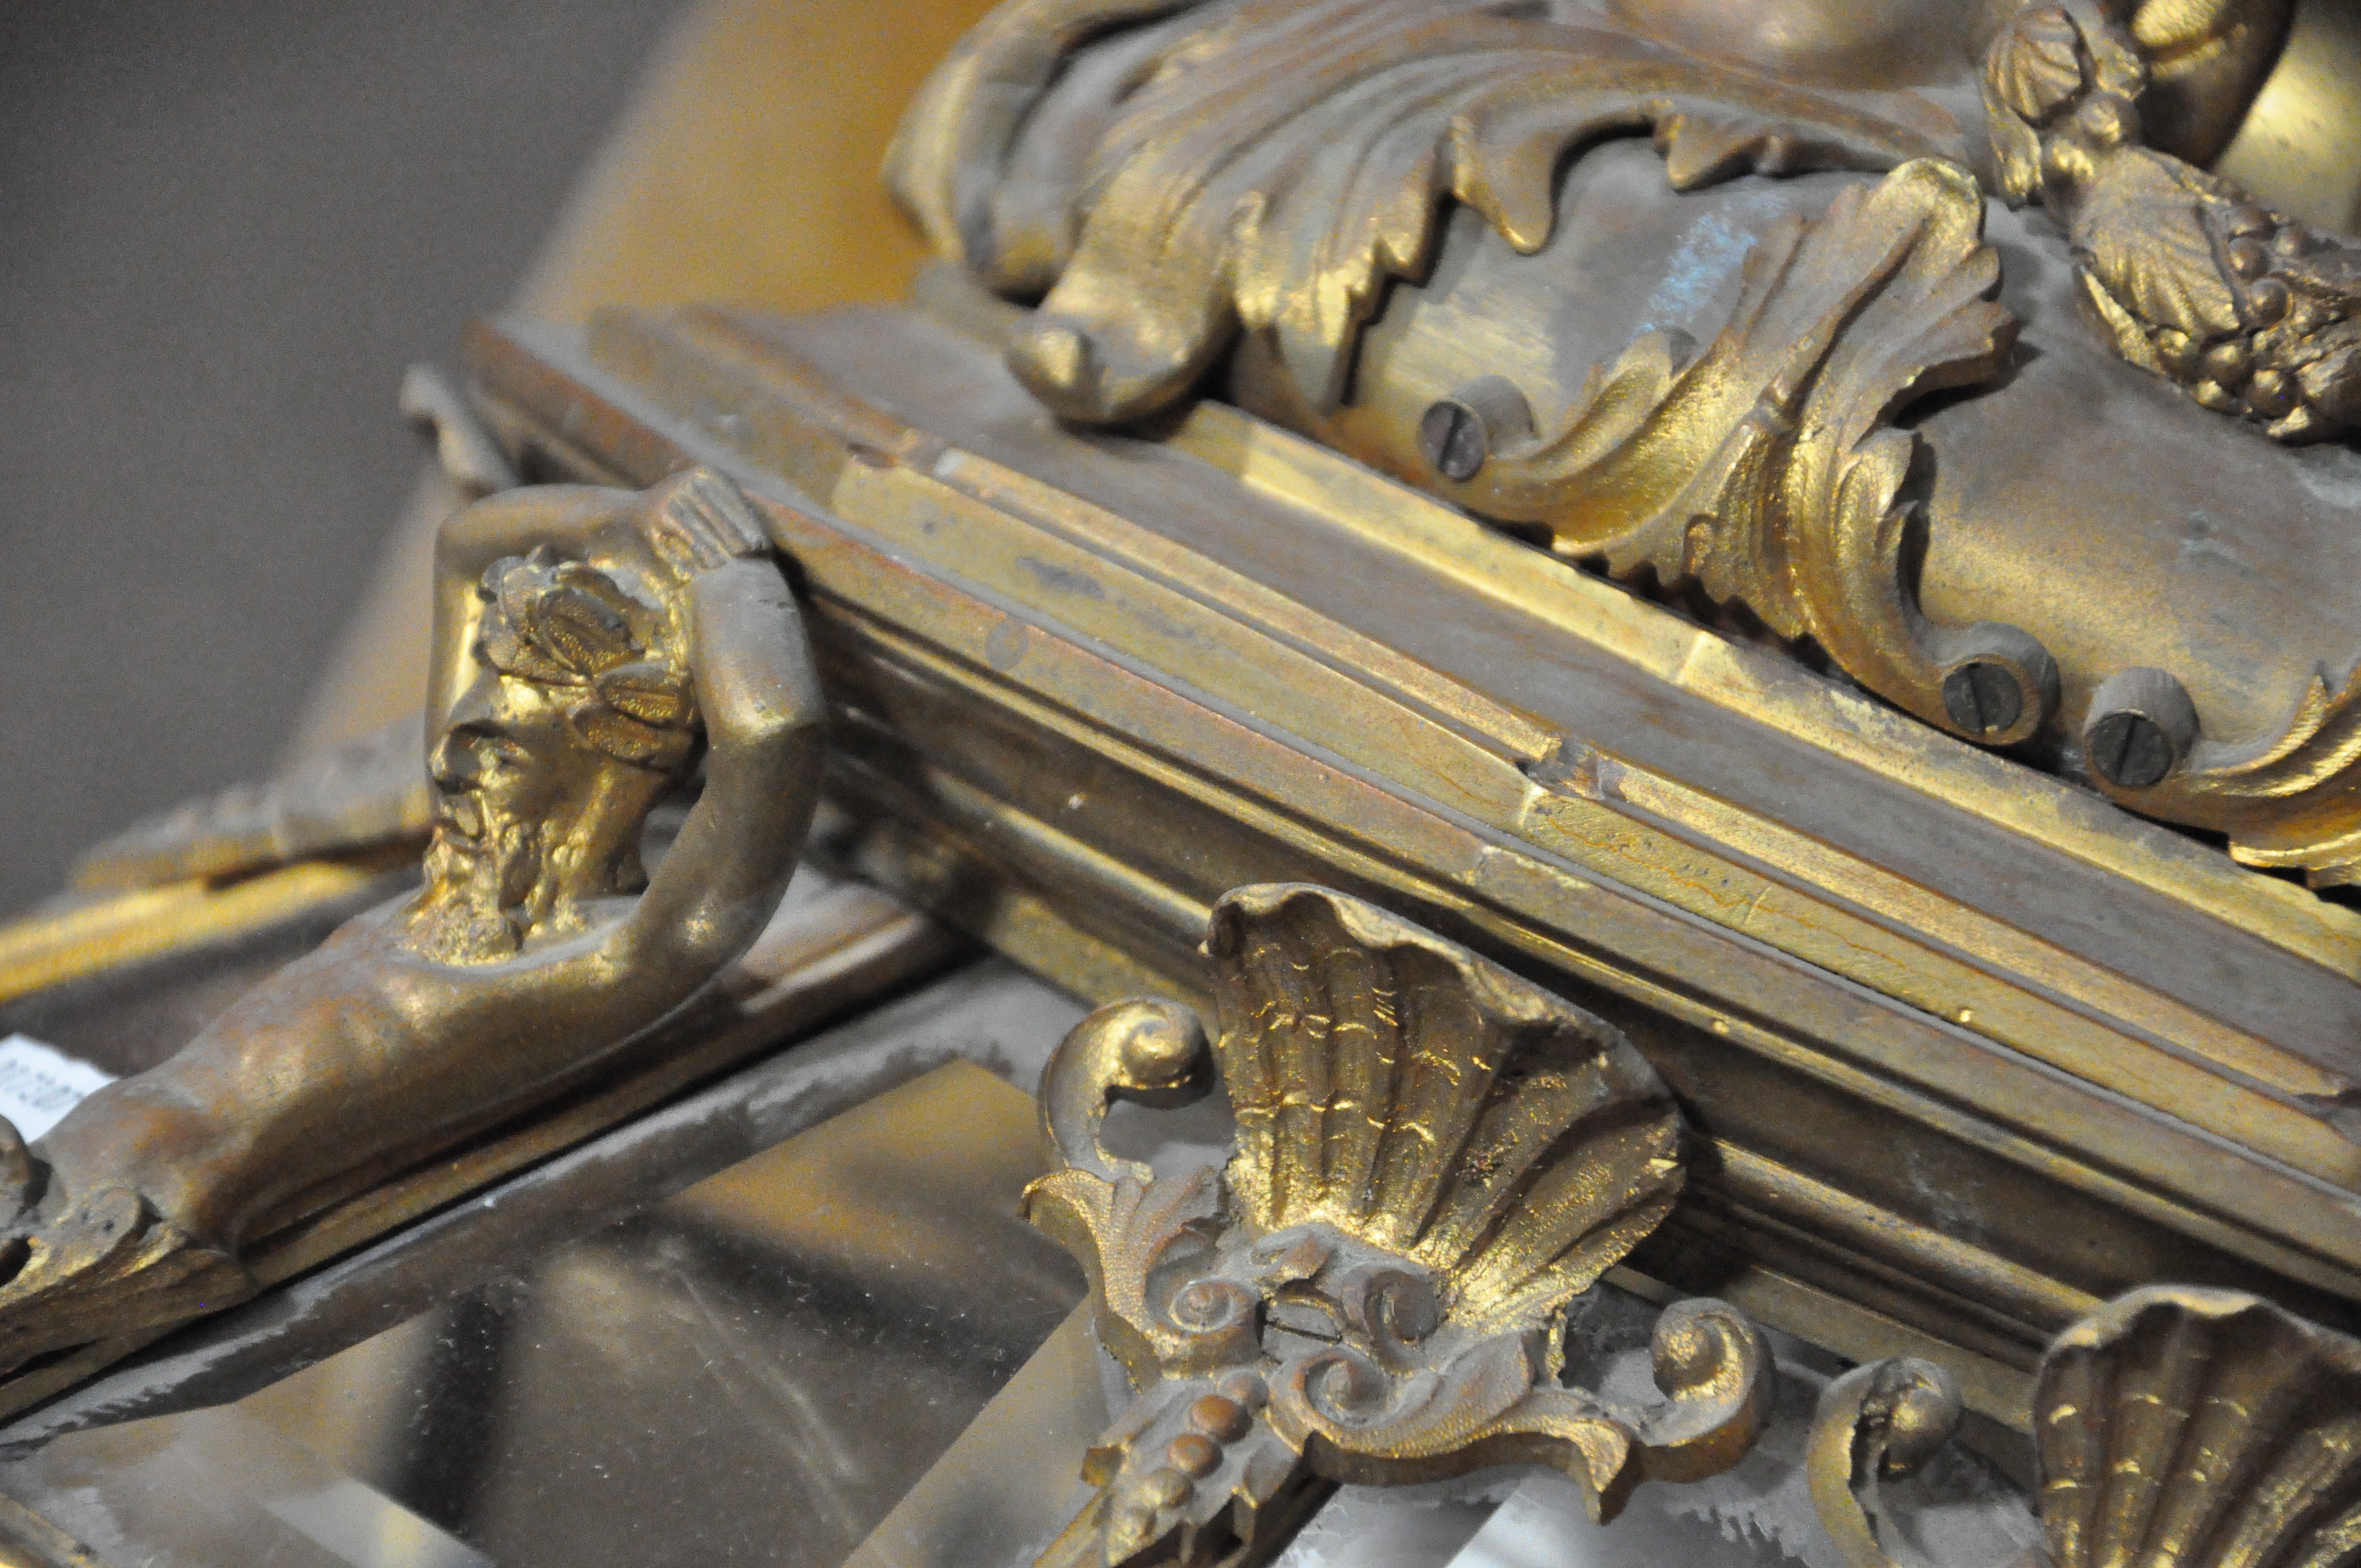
[[225, 230]]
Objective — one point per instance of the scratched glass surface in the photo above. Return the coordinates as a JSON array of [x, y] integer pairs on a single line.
[[851, 1350], [752, 1371]]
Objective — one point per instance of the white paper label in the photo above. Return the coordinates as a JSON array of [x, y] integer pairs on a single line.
[[38, 1085]]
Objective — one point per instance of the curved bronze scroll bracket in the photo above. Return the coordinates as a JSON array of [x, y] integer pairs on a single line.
[[593, 646], [1876, 1423], [1433, 1156], [2290, 801], [2176, 1426], [1151, 1053]]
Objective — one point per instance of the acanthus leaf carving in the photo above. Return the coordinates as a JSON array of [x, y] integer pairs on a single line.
[[1213, 198], [1269, 173], [1767, 467]]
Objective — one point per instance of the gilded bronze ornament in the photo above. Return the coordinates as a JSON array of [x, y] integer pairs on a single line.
[[1280, 168], [2249, 311], [1764, 467], [1557, 573], [595, 644], [2175, 1425], [1376, 221], [1433, 1159], [1976, 1051]]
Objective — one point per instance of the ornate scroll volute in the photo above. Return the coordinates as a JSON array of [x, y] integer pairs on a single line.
[[2175, 1428], [1261, 176], [1433, 1156], [2288, 801]]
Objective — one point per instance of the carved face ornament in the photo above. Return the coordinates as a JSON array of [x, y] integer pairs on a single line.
[[578, 713]]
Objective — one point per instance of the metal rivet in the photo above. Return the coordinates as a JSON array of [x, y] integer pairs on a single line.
[[1460, 432], [2130, 750]]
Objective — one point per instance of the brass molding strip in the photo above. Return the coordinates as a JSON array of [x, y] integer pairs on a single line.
[[42, 950], [872, 595], [1201, 623], [1326, 703], [2050, 1109], [1911, 913], [1856, 1236], [2001, 1301], [1747, 682], [2028, 1297]]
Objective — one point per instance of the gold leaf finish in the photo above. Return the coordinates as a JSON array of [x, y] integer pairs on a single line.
[[1433, 1159]]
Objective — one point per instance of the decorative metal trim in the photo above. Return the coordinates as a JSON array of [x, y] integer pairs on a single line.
[[1433, 1156], [2177, 1426]]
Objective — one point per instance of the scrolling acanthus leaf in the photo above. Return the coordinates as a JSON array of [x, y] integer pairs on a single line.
[[1263, 178]]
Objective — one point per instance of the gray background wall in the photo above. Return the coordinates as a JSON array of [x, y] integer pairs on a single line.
[[225, 230]]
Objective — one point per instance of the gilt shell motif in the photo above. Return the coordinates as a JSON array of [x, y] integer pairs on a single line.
[[2175, 1427], [2202, 1428], [1433, 1157]]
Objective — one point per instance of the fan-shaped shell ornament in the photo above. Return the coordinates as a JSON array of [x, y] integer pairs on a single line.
[[2175, 1427], [1433, 1156], [2199, 1428]]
